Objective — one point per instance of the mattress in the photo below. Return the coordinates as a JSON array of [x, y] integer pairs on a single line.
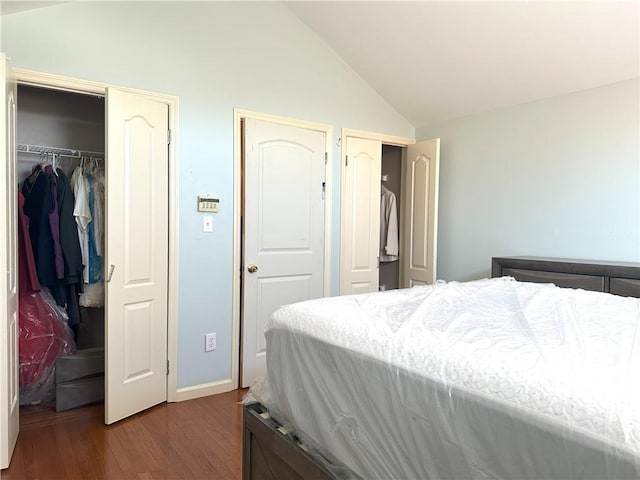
[[487, 379]]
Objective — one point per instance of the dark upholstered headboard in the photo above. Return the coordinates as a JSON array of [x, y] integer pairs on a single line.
[[619, 278]]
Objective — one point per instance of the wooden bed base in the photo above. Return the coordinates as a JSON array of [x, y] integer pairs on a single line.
[[271, 453], [619, 278]]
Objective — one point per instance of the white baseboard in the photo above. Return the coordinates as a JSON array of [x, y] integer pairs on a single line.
[[204, 390]]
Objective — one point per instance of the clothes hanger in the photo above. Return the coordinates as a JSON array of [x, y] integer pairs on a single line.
[[42, 161], [54, 163], [37, 168]]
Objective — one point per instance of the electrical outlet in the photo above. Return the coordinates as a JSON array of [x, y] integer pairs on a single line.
[[209, 342]]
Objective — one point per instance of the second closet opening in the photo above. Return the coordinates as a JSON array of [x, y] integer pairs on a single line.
[[390, 212]]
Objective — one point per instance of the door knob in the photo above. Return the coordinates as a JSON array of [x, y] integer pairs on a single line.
[[252, 268]]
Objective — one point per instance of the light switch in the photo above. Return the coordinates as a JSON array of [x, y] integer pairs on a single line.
[[207, 224]]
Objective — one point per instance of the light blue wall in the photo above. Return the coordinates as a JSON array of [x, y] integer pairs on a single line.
[[557, 177], [214, 56]]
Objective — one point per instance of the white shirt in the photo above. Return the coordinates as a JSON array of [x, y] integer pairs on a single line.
[[388, 226], [82, 214]]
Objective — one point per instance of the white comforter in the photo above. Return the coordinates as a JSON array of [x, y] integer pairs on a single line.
[[568, 357]]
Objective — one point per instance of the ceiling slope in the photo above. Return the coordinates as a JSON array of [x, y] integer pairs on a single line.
[[434, 61], [8, 7]]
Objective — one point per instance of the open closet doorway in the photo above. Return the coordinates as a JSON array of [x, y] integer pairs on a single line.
[[391, 194], [283, 207], [128, 324], [389, 220]]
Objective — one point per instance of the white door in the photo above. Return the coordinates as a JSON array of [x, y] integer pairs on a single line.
[[360, 217], [420, 193], [9, 389], [284, 175], [136, 253]]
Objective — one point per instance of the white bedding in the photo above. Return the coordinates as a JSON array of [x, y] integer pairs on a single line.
[[486, 379]]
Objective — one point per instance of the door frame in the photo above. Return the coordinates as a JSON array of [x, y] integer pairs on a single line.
[[69, 84], [238, 116], [385, 140]]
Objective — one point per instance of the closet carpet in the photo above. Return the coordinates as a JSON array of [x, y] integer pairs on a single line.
[[195, 439]]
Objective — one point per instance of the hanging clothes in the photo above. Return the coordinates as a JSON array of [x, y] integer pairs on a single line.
[[69, 242], [93, 295], [37, 205], [389, 249], [54, 222], [43, 328], [73, 266], [99, 188], [49, 206], [95, 260], [44, 336], [82, 214], [27, 274]]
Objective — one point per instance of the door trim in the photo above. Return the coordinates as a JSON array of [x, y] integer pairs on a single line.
[[238, 116], [58, 82], [385, 139]]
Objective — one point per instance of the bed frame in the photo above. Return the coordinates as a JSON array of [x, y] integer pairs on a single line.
[[618, 278], [270, 452]]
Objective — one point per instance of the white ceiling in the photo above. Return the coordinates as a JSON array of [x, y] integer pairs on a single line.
[[8, 7], [437, 60], [434, 61]]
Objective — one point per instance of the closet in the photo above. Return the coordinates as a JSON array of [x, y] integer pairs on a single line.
[[140, 244], [60, 145], [373, 171], [390, 196]]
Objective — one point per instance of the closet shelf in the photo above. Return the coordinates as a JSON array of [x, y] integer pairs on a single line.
[[63, 152]]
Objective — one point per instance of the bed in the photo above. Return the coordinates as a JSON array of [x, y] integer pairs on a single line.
[[509, 377]]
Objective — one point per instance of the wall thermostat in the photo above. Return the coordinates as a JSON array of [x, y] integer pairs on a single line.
[[208, 203]]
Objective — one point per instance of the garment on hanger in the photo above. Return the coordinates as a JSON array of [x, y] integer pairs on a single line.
[[44, 336], [389, 249], [54, 222], [27, 274], [95, 260], [99, 198], [82, 214], [69, 242]]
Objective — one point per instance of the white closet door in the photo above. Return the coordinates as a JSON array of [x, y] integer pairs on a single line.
[[137, 253], [283, 228], [421, 213], [9, 389], [360, 219]]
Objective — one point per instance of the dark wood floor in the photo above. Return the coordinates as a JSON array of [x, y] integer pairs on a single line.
[[195, 439]]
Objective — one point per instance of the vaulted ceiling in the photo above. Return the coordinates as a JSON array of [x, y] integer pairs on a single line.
[[439, 60]]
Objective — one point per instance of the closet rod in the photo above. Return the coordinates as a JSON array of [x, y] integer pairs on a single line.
[[63, 152]]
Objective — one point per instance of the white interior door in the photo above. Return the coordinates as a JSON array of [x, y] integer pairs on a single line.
[[136, 253], [9, 389], [360, 217], [420, 193], [283, 254]]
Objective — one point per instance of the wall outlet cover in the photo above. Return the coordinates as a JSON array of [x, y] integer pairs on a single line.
[[209, 342]]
